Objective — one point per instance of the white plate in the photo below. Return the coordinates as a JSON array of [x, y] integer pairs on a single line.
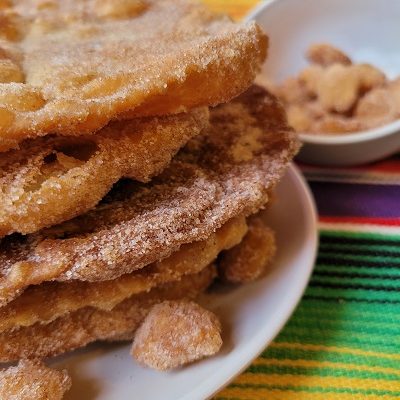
[[368, 30], [252, 316]]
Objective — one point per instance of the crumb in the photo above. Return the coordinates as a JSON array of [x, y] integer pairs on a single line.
[[299, 118], [333, 95], [338, 88], [176, 333], [310, 77], [249, 260], [292, 91], [32, 380], [370, 77], [325, 55]]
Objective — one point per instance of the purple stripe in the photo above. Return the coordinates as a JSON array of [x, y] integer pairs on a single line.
[[356, 200]]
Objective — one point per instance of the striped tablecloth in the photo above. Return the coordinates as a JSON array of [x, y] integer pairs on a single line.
[[343, 341]]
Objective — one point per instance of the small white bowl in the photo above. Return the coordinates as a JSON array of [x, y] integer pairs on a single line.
[[368, 30]]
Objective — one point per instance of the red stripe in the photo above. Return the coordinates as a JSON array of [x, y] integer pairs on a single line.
[[362, 220], [389, 166], [384, 166]]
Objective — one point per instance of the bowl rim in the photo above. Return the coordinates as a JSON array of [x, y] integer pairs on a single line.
[[352, 137], [332, 138]]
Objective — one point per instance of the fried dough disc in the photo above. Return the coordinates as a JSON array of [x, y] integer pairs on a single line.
[[88, 324], [52, 179], [66, 297], [225, 172], [75, 65], [32, 380]]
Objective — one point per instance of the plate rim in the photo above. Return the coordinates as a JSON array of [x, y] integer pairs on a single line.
[[213, 385]]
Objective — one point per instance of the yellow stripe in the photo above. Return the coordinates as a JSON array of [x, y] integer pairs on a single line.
[[342, 382], [330, 364], [348, 350], [263, 394], [236, 9]]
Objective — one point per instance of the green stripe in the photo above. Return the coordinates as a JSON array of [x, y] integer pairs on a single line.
[[375, 283], [383, 250], [295, 333], [343, 314], [320, 371], [348, 270], [341, 293], [372, 327], [327, 233], [370, 258], [351, 308], [361, 312], [331, 356], [314, 389]]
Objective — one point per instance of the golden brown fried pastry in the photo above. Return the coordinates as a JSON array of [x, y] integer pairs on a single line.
[[249, 260], [73, 66], [338, 88], [227, 171], [325, 54], [32, 380], [310, 77], [87, 325], [175, 333], [52, 179], [66, 297], [377, 105]]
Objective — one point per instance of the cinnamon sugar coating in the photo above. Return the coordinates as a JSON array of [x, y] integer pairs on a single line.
[[227, 171], [32, 380], [66, 297], [175, 333], [52, 179], [88, 324], [72, 66]]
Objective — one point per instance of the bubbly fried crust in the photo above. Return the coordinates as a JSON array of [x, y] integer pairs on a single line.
[[32, 380], [67, 297], [175, 333], [77, 65], [248, 260], [52, 179], [87, 325], [227, 171]]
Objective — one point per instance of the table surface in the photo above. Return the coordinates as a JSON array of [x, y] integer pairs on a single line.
[[343, 341]]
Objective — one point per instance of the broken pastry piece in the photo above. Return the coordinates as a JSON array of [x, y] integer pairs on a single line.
[[32, 380], [250, 259], [334, 95], [176, 333], [325, 55]]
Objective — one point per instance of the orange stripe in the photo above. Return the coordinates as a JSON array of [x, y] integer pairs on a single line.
[[274, 394], [298, 380], [328, 364]]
